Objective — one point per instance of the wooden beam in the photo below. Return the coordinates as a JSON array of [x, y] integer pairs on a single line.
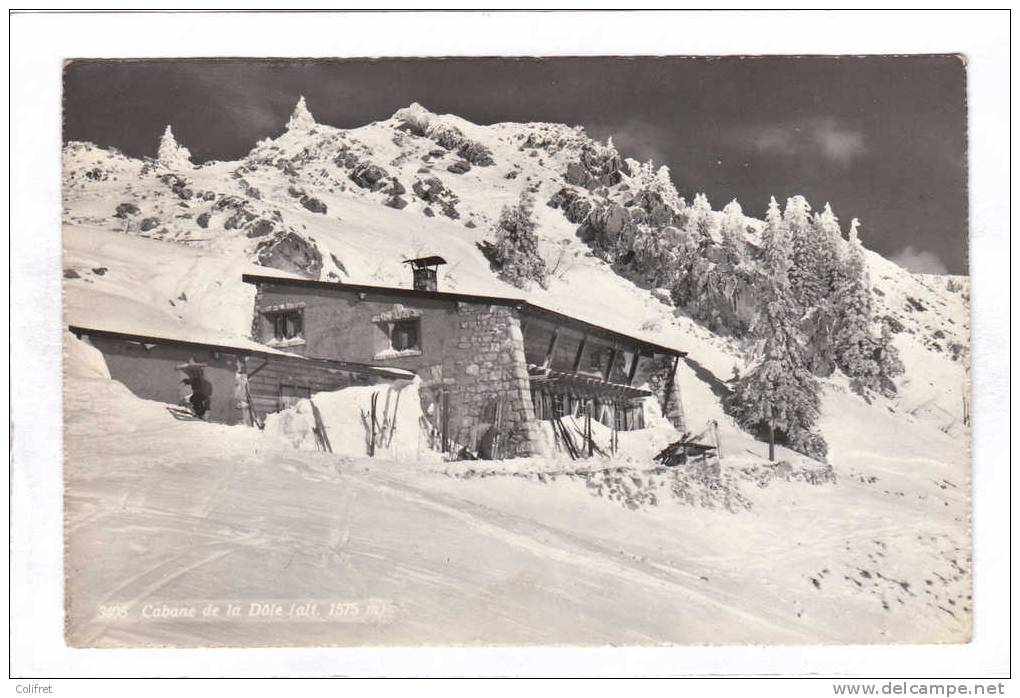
[[580, 353], [633, 367], [552, 347], [609, 365]]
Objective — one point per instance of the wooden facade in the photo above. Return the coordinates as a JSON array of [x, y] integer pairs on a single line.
[[149, 367]]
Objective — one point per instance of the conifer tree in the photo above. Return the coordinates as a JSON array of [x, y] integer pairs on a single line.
[[807, 287], [821, 266], [869, 361], [170, 154], [778, 391], [853, 338], [732, 232], [515, 252], [301, 118]]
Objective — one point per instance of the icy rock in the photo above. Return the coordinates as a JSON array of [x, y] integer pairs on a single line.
[[149, 223]]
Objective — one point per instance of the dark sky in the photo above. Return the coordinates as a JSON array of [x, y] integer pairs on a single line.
[[881, 139]]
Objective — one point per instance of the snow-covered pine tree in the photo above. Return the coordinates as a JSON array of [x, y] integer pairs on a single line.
[[732, 233], [171, 154], [819, 316], [699, 221], [778, 392], [806, 281], [301, 119], [514, 254], [869, 361]]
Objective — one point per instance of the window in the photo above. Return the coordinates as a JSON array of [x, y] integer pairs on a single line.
[[286, 325], [404, 335]]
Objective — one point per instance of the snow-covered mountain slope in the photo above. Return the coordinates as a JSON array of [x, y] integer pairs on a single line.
[[159, 246]]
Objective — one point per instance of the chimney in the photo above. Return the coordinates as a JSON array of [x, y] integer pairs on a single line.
[[425, 272]]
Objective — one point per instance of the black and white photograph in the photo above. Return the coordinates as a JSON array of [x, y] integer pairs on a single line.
[[606, 350], [341, 371]]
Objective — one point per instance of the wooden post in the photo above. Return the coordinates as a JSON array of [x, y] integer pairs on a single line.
[[552, 347], [587, 429], [772, 435], [446, 420], [371, 447], [580, 353]]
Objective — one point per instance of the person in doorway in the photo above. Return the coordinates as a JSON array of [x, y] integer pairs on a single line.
[[242, 395], [186, 392], [201, 395]]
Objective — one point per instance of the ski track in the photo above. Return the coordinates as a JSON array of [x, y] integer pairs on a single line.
[[543, 541]]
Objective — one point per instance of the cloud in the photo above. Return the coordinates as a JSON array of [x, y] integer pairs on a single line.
[[838, 144], [638, 139], [821, 137], [920, 261]]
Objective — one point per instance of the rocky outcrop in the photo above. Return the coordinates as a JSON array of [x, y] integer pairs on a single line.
[[126, 209], [369, 176], [149, 224], [419, 121], [597, 166], [178, 185], [312, 204], [203, 219], [430, 190], [396, 202], [476, 153], [574, 206], [396, 188], [609, 225], [649, 207], [261, 228], [290, 252], [459, 167]]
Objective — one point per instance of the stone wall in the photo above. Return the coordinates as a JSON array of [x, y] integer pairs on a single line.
[[472, 351], [487, 363]]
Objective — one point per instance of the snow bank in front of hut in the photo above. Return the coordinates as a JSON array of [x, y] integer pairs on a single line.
[[401, 431], [82, 360]]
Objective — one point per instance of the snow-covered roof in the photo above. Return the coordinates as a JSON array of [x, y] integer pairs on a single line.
[[248, 349]]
